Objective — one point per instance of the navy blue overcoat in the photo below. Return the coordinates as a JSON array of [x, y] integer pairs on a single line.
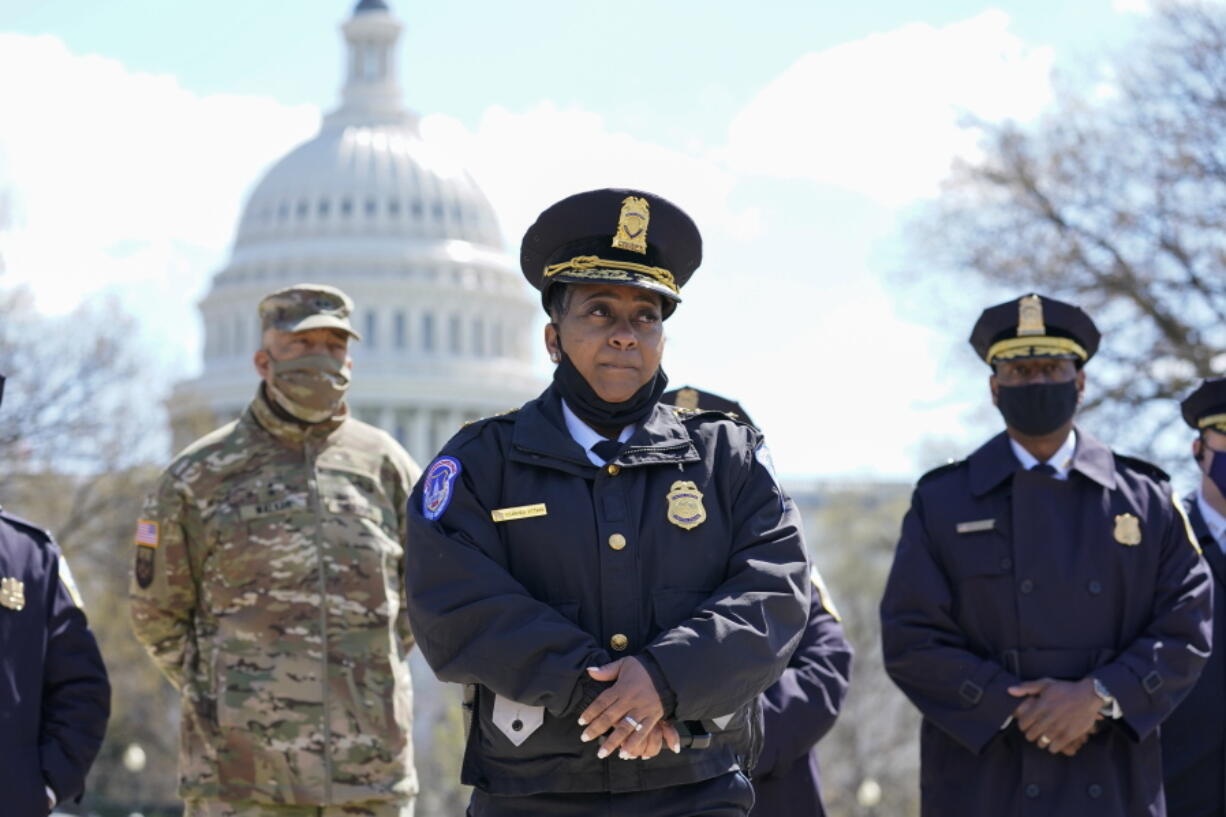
[[54, 694], [797, 711], [1194, 736], [1003, 575]]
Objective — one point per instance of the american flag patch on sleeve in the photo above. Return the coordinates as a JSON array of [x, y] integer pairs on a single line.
[[146, 533]]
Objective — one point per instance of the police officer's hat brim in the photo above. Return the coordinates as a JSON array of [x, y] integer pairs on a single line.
[[576, 241], [1205, 407], [1034, 326], [320, 322]]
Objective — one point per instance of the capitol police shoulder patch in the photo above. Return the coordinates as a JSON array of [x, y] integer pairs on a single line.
[[438, 485]]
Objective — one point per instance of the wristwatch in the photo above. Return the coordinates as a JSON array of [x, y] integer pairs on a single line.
[[1110, 707]]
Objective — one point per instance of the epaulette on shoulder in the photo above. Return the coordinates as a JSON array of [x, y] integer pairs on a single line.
[[41, 534], [502, 415], [1142, 467], [939, 470]]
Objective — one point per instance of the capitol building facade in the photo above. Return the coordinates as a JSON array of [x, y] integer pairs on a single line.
[[369, 207]]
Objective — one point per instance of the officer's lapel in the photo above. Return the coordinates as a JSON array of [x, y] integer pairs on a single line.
[[1094, 460], [991, 464]]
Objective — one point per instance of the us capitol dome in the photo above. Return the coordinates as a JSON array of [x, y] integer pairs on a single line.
[[369, 207]]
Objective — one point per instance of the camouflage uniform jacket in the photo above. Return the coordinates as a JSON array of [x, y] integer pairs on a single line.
[[268, 588]]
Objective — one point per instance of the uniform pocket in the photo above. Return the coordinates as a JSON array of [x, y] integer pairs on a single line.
[[979, 555], [516, 721]]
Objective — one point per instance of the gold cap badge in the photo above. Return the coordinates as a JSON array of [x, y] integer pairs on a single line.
[[12, 594], [1127, 530], [632, 225], [1030, 317], [687, 399], [685, 508]]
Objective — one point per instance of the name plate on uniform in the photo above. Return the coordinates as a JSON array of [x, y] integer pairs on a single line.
[[977, 526], [520, 512]]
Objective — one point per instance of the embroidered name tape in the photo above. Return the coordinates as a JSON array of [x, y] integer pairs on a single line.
[[976, 526], [519, 512]]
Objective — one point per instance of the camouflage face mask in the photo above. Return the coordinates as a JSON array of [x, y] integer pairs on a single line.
[[310, 388]]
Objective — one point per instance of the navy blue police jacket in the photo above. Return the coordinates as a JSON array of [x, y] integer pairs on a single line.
[[54, 694], [525, 564], [797, 711], [1003, 575], [1194, 736]]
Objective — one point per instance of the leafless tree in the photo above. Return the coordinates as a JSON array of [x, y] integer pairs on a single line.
[[1115, 200]]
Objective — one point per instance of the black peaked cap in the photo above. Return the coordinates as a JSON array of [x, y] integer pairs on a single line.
[[1034, 326], [659, 246], [1206, 401]]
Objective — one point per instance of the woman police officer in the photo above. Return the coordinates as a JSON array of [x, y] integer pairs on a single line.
[[607, 573]]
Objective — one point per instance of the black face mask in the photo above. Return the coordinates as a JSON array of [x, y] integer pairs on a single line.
[[1038, 408], [585, 403]]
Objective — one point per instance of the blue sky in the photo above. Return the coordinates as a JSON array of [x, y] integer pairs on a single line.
[[800, 135]]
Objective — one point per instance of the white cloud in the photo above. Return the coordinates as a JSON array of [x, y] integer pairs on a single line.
[[526, 161], [1131, 6], [882, 116], [121, 178]]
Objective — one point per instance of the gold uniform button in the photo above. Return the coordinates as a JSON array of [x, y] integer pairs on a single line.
[[617, 541], [619, 642], [613, 470]]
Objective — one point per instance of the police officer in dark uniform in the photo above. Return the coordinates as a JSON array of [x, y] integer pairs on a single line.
[[1047, 608], [616, 579], [801, 707], [1194, 736], [54, 694]]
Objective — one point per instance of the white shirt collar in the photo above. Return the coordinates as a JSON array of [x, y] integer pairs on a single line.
[[587, 436], [1062, 460], [1213, 519]]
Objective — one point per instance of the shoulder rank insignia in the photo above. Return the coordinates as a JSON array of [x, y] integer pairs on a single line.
[[632, 225], [1127, 530], [685, 508], [12, 594]]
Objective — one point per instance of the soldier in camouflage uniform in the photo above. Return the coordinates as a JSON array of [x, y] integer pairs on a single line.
[[268, 584]]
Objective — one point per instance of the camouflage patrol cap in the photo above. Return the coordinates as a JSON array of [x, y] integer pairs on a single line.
[[307, 306]]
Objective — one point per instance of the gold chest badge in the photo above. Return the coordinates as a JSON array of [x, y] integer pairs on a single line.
[[1127, 530], [12, 594], [685, 508]]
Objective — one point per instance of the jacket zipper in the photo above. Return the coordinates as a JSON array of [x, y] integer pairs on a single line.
[[323, 617]]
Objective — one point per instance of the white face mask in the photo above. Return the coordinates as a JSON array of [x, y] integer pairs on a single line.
[[311, 388]]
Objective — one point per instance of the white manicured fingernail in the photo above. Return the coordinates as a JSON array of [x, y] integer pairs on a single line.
[[603, 753], [583, 721]]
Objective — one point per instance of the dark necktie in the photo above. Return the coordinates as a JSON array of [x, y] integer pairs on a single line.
[[1044, 468], [607, 449]]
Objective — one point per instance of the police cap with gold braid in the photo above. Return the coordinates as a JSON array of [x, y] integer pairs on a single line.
[[1205, 407], [1034, 326], [624, 237]]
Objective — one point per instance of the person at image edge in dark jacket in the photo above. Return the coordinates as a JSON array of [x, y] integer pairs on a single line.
[[1047, 607], [615, 579], [1194, 736], [54, 694], [799, 709]]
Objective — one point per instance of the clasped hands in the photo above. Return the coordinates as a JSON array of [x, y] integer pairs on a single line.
[[1057, 716], [631, 700]]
